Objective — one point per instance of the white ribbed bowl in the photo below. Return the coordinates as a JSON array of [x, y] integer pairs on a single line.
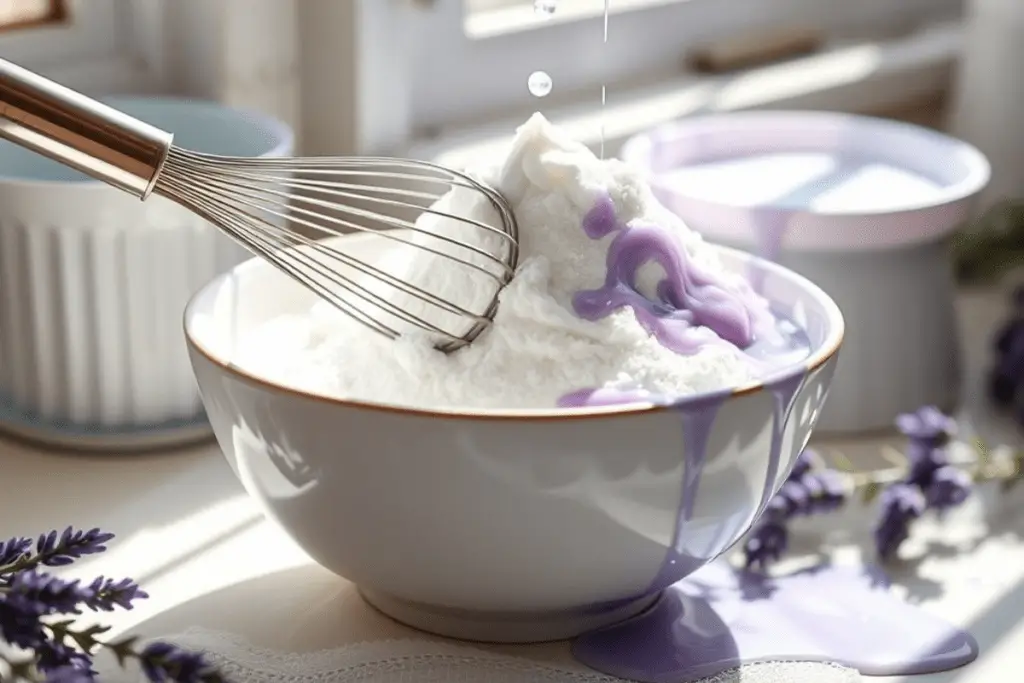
[[94, 283]]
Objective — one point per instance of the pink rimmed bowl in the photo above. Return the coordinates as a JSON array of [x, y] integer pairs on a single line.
[[515, 525], [865, 207]]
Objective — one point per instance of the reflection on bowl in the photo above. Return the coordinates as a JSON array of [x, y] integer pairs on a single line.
[[505, 525]]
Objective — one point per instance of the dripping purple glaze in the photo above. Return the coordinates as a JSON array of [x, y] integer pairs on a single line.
[[698, 421], [693, 309], [784, 392], [770, 227]]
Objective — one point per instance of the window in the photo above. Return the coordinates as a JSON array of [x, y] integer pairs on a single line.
[[475, 55], [443, 66], [19, 14], [85, 44]]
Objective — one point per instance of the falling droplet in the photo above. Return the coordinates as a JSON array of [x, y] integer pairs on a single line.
[[545, 8], [539, 84]]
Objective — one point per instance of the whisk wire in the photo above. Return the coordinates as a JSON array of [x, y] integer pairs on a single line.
[[354, 263], [285, 259], [410, 226], [262, 211]]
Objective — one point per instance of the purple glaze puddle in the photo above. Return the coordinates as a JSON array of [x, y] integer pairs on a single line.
[[719, 618]]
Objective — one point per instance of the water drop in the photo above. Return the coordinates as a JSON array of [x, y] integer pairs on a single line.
[[545, 8], [539, 83]]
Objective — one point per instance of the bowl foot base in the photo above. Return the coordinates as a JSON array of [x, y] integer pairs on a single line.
[[500, 627]]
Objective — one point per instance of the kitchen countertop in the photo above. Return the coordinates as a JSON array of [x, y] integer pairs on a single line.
[[200, 547]]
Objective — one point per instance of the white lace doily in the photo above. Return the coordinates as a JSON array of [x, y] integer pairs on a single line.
[[422, 661]]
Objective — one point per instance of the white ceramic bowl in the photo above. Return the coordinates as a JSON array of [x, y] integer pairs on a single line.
[[865, 208], [94, 282], [505, 525]]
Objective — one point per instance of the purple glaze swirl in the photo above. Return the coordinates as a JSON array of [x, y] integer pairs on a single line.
[[692, 308], [688, 298]]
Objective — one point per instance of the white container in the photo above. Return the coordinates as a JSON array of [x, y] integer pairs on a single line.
[[863, 207], [94, 283]]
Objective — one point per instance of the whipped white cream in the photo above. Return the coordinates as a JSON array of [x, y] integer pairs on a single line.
[[538, 349]]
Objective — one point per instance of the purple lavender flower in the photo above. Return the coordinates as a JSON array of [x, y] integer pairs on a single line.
[[20, 623], [69, 674], [108, 594], [927, 425], [765, 545], [166, 662], [901, 504], [56, 658], [48, 594], [61, 653], [1005, 335], [56, 550], [1006, 377], [924, 460], [827, 489], [1003, 385], [949, 487], [51, 595], [14, 549], [796, 497], [1014, 326]]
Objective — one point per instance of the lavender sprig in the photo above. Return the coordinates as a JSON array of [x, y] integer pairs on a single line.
[[901, 504], [928, 479], [13, 550], [930, 482], [53, 550], [160, 661], [61, 652]]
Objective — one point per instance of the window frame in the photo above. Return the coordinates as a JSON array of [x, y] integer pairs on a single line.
[[452, 79], [98, 49]]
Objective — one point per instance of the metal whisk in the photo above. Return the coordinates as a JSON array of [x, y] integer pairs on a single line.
[[282, 208]]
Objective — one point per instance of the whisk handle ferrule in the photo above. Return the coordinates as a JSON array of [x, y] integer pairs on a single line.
[[80, 132]]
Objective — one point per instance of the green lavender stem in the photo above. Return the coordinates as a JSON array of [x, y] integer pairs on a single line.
[[88, 641], [18, 670], [993, 245], [983, 466]]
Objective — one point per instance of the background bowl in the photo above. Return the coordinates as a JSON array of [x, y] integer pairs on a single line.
[[94, 282], [505, 525], [864, 207]]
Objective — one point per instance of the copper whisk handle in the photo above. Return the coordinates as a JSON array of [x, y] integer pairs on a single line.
[[75, 130]]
